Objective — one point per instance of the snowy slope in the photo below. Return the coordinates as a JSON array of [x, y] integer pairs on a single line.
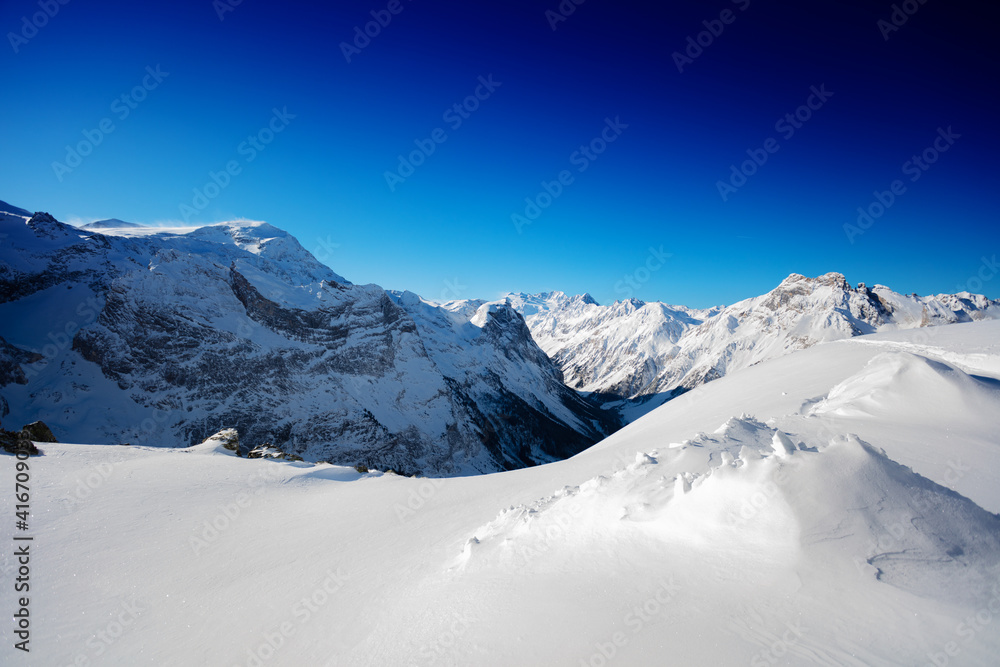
[[650, 351], [162, 336], [835, 506]]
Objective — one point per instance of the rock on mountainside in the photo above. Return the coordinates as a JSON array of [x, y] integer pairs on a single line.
[[164, 336], [651, 351]]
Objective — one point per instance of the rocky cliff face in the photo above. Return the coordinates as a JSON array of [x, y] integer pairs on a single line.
[[162, 337]]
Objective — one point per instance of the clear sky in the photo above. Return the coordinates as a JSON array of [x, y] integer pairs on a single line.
[[317, 167]]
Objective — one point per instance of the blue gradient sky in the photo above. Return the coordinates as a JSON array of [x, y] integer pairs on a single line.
[[446, 231]]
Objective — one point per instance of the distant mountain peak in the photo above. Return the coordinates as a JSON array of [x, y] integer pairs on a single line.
[[41, 216], [110, 223], [633, 303], [832, 279]]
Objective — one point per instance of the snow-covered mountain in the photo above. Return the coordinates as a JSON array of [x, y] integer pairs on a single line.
[[651, 351], [801, 312], [110, 223], [835, 506], [617, 349], [164, 336]]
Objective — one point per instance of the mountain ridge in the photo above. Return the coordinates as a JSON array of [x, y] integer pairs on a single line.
[[160, 336], [507, 381], [649, 352]]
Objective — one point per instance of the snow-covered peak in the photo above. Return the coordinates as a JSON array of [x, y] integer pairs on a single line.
[[608, 349], [239, 241], [465, 308], [249, 235], [532, 304], [627, 306], [110, 223], [484, 311], [832, 279], [45, 226]]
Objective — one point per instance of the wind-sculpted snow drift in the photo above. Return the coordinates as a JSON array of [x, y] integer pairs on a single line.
[[164, 336], [751, 488]]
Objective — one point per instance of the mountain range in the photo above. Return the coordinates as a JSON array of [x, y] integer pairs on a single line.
[[162, 336], [636, 355], [117, 332]]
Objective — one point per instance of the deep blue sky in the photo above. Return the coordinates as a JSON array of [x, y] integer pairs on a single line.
[[447, 231]]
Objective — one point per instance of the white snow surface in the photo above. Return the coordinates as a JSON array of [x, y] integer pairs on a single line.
[[834, 506]]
